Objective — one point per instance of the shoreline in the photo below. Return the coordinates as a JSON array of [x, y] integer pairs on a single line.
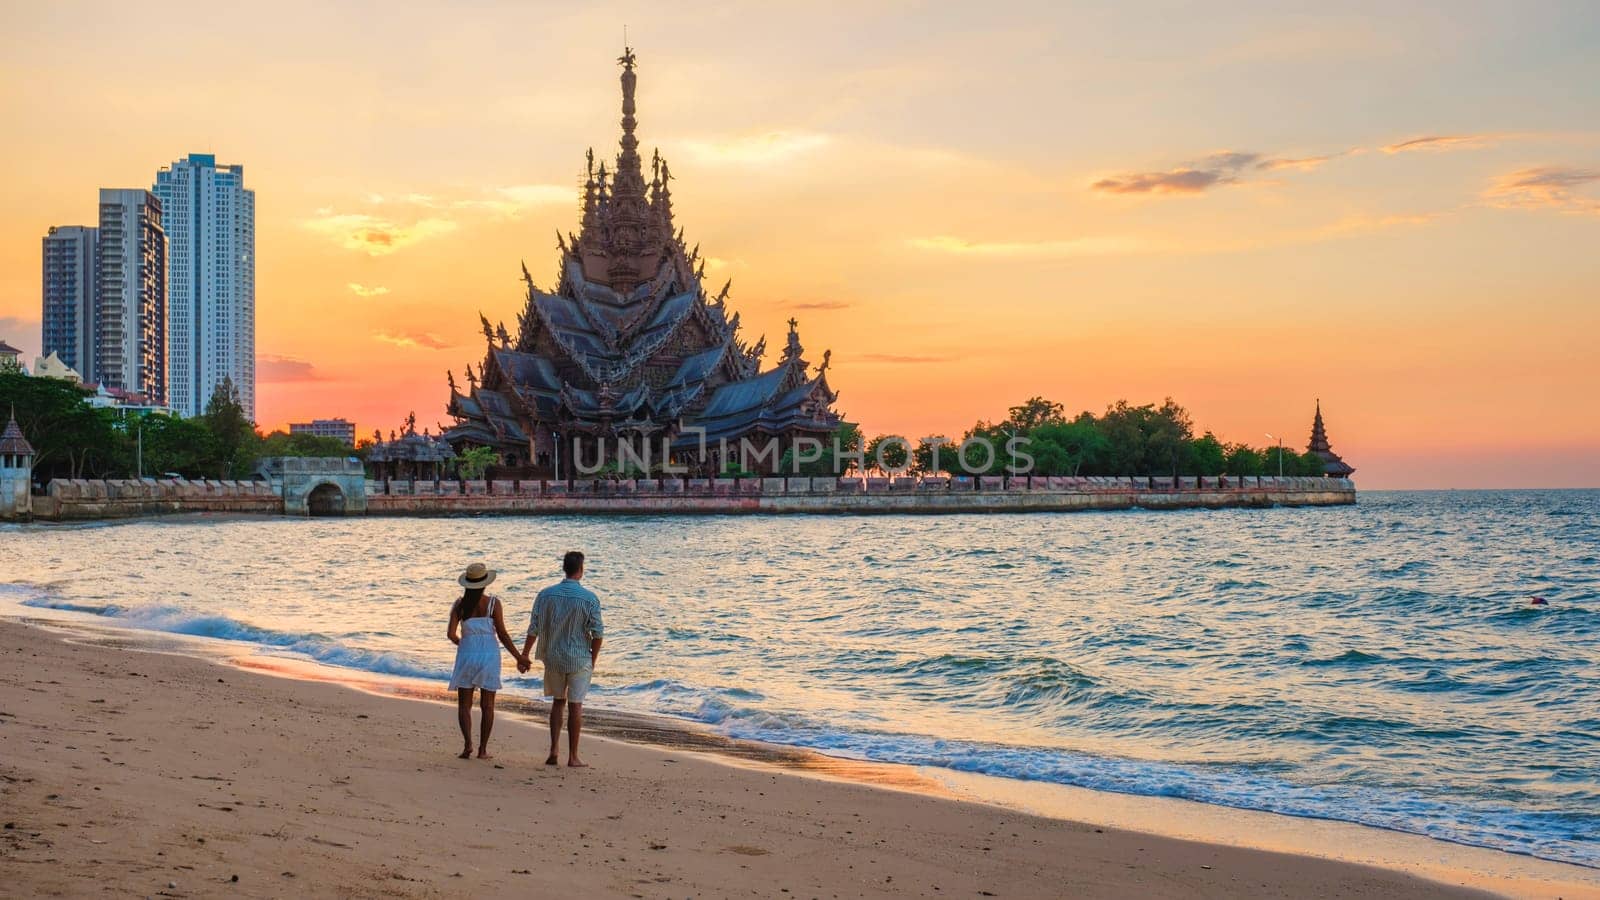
[[1250, 841]]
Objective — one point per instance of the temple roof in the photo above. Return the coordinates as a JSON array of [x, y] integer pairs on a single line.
[[12, 440], [409, 446], [1332, 464]]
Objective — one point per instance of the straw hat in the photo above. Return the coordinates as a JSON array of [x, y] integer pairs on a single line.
[[477, 575]]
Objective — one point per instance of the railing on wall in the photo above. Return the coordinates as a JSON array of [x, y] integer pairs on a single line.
[[735, 487]]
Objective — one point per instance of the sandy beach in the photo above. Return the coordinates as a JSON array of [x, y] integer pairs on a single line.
[[140, 773]]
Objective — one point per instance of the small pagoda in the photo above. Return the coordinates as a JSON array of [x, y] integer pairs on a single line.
[[407, 455], [1332, 465], [629, 351], [16, 472]]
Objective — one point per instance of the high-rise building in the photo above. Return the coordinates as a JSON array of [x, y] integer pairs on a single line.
[[71, 295], [210, 223], [343, 429], [131, 328]]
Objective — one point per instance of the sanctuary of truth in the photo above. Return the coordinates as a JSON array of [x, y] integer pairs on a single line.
[[628, 353]]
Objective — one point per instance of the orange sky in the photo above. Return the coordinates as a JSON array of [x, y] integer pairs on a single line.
[[1244, 209]]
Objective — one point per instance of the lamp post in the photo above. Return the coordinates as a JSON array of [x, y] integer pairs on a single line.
[[1280, 452]]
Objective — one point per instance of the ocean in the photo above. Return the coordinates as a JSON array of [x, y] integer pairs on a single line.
[[1379, 664]]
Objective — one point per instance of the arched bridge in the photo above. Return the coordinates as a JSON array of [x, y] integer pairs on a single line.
[[317, 486]]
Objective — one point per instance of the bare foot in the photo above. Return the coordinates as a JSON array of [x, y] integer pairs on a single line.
[[552, 761], [484, 754], [465, 754], [576, 763]]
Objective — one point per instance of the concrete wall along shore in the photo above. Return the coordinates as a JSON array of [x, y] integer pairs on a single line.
[[851, 495], [78, 499]]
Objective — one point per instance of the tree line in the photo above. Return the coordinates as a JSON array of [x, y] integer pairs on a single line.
[[72, 439], [1150, 439], [1039, 438]]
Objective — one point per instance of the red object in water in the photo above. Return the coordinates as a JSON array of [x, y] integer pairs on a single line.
[[1540, 601]]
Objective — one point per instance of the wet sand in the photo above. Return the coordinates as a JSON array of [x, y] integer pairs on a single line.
[[130, 772]]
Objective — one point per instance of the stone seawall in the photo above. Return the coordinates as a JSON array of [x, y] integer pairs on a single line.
[[849, 496], [81, 499], [74, 500]]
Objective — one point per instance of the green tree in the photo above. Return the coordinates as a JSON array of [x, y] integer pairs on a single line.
[[1169, 437], [1206, 456], [282, 443], [1311, 465], [1242, 459], [978, 461], [1270, 461], [890, 449], [474, 461], [1067, 448], [70, 438], [733, 469], [1034, 412], [847, 438], [923, 459], [232, 433], [171, 444]]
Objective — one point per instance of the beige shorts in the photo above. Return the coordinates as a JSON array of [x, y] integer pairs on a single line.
[[569, 686]]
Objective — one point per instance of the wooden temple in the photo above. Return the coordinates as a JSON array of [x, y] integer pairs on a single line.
[[629, 351]]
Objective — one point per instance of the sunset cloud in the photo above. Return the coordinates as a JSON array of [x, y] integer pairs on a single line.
[[408, 219], [376, 235], [1226, 167], [361, 290], [514, 199], [272, 369], [1234, 167], [821, 305], [1052, 249], [765, 149], [1442, 142], [1303, 164], [1546, 187], [424, 340]]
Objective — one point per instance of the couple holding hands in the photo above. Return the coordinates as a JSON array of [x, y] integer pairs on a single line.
[[565, 634]]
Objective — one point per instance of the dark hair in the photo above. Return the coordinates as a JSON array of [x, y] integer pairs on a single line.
[[468, 604], [572, 563]]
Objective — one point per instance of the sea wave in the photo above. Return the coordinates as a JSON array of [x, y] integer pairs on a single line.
[[318, 647], [1244, 786]]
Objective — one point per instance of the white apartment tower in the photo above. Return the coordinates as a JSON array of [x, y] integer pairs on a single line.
[[210, 221]]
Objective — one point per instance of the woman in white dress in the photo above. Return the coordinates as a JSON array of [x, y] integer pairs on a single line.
[[475, 624]]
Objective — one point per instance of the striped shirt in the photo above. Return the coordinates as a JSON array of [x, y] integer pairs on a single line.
[[565, 617]]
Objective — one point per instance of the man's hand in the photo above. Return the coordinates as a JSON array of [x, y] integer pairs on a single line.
[[524, 664]]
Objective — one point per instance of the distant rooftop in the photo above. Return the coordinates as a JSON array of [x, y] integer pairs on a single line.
[[205, 160]]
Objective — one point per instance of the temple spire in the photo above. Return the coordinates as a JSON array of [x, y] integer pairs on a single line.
[[629, 180], [1332, 464], [1319, 434]]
